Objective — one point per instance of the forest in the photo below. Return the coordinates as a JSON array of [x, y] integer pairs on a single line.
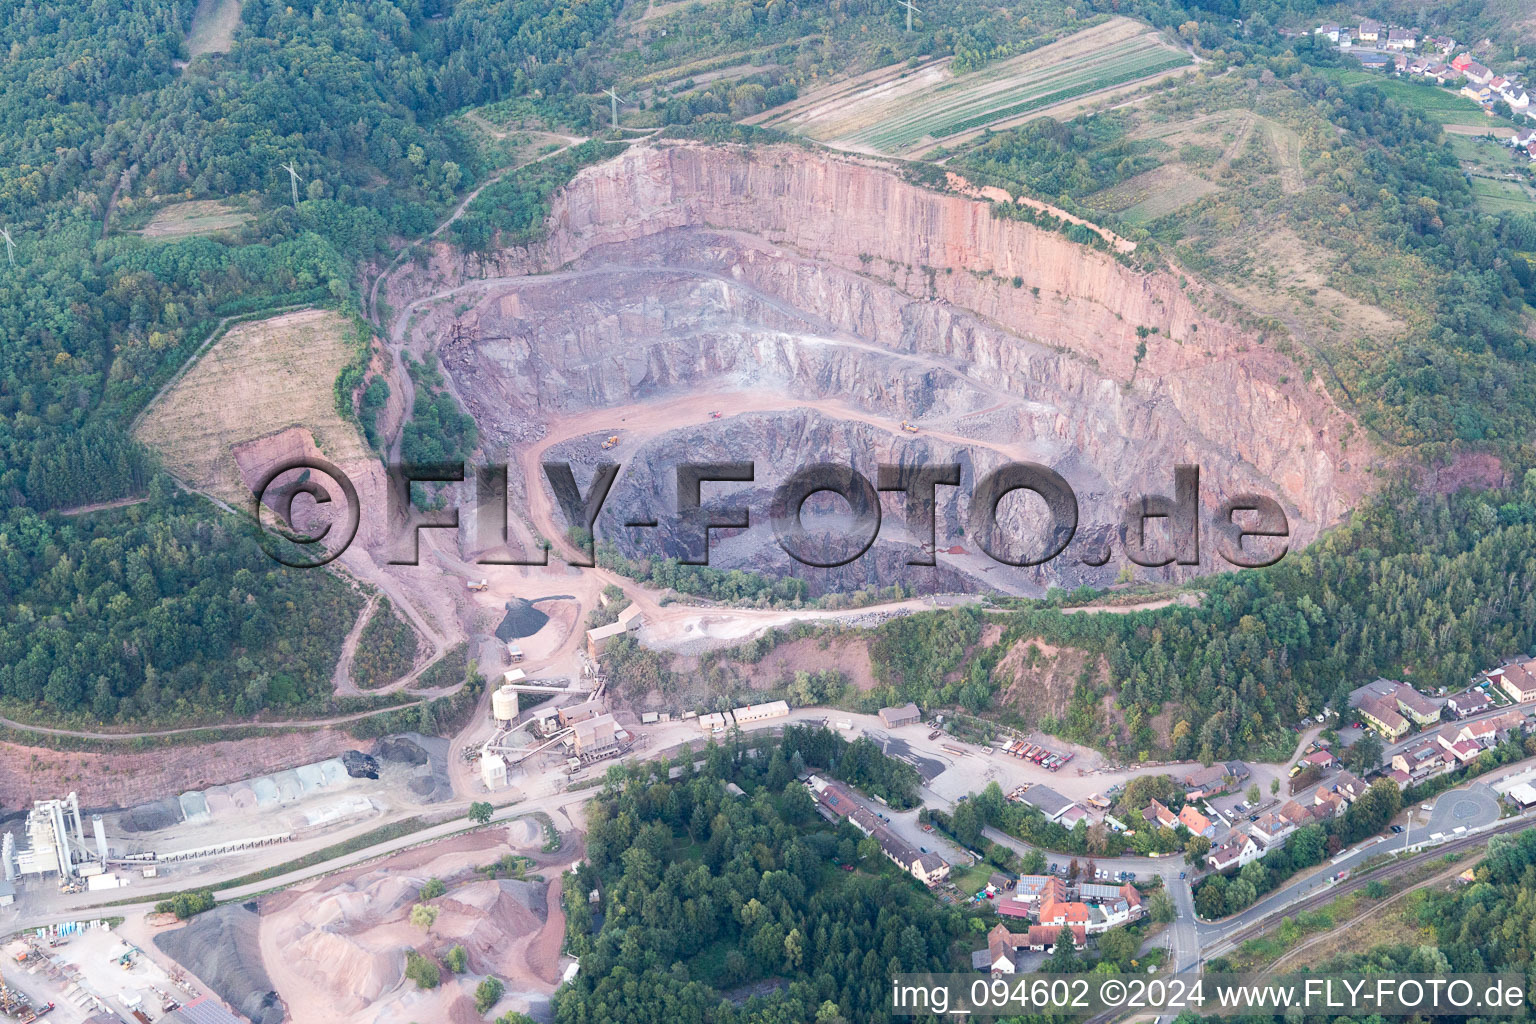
[[722, 909], [131, 615]]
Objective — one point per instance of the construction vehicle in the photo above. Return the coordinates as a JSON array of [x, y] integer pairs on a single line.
[[478, 585], [909, 427], [612, 442], [716, 414]]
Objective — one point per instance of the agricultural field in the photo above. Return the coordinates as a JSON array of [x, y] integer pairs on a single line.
[[261, 379], [199, 217], [1433, 101], [903, 112], [1504, 196]]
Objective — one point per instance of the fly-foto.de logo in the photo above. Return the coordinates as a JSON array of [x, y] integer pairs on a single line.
[[1249, 530]]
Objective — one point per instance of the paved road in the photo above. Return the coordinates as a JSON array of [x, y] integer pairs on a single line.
[[1469, 809]]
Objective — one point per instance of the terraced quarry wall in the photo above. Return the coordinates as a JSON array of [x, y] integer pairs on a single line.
[[859, 299]]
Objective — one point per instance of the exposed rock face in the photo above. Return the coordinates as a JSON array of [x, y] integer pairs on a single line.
[[835, 284]]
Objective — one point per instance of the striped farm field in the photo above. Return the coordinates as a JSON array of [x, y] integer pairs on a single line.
[[906, 111]]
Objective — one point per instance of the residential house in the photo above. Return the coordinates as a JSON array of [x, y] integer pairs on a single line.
[[1483, 733], [1330, 32], [1518, 99], [1423, 760], [1237, 850], [1518, 681], [1156, 813], [1402, 39], [1476, 93], [1271, 829], [1419, 65], [1346, 38], [1508, 723], [1441, 73], [1072, 915], [1369, 31], [1037, 888], [1197, 823], [1296, 813], [1005, 950], [928, 868], [1475, 701], [1464, 751], [1349, 786], [1321, 758], [1477, 74], [1328, 805], [1204, 783], [1383, 717], [1461, 61], [1412, 703], [1445, 44]]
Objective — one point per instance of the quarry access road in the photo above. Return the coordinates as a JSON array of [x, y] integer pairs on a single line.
[[313, 723]]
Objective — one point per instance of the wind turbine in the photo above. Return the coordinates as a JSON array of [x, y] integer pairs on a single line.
[[911, 7], [293, 179], [10, 246]]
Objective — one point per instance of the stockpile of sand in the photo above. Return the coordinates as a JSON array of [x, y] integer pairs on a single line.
[[493, 921], [525, 834], [340, 943]]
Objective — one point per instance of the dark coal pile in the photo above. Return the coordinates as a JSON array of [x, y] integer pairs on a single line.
[[401, 749], [151, 817], [417, 762], [221, 948], [522, 619], [360, 765]]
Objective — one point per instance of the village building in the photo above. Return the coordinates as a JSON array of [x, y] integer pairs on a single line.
[[1197, 823], [1157, 814], [1476, 701], [907, 714], [1235, 851], [1518, 681]]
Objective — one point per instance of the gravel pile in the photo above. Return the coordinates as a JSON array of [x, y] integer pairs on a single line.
[[221, 947], [151, 817], [522, 620]]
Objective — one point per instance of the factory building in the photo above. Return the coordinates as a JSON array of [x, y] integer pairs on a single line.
[[493, 771], [760, 712], [55, 839], [597, 738], [631, 619], [598, 639], [580, 712]]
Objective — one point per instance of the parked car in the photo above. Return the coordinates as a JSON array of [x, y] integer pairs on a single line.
[[1397, 830], [1181, 874]]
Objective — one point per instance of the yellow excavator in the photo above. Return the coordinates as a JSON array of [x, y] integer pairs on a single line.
[[909, 427], [612, 442]]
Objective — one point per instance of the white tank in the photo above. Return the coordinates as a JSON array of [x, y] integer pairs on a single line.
[[504, 704]]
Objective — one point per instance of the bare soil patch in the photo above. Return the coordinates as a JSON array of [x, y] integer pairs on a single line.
[[1037, 679], [266, 383]]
